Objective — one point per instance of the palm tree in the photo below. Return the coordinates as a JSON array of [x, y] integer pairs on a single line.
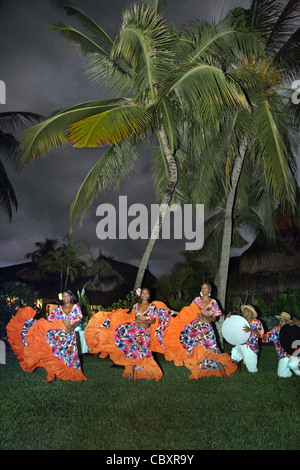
[[257, 144], [268, 138], [10, 123], [44, 249], [69, 260], [167, 76], [72, 253]]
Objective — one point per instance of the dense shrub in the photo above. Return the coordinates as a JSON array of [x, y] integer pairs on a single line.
[[14, 295]]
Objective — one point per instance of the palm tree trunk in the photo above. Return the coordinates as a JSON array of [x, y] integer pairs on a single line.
[[162, 209], [67, 276], [222, 275], [61, 281]]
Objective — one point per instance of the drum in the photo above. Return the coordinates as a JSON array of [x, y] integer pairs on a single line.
[[232, 330], [289, 337]]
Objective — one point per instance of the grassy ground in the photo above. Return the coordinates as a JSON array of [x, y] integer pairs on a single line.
[[248, 411]]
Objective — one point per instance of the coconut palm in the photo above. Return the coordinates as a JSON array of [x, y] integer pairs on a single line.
[[267, 133], [161, 78], [69, 260], [42, 251], [73, 254], [10, 123]]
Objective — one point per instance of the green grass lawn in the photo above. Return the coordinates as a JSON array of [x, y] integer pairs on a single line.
[[247, 411]]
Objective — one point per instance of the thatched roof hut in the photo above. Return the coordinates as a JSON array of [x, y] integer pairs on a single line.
[[107, 281], [267, 271], [110, 280], [31, 275]]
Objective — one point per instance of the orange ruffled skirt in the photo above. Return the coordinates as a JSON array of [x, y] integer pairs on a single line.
[[37, 352], [181, 357], [101, 335]]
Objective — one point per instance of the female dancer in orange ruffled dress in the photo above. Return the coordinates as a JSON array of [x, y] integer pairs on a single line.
[[48, 343], [129, 338], [190, 339]]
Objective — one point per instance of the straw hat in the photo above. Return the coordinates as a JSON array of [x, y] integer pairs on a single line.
[[249, 307], [284, 316]]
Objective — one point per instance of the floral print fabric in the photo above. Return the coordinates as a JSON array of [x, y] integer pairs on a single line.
[[133, 340], [164, 317], [211, 309], [27, 324], [63, 344], [253, 339], [201, 332], [273, 335]]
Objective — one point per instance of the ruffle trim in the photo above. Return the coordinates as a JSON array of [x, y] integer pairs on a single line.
[[199, 354], [101, 340], [155, 345], [177, 353], [174, 351], [151, 370], [14, 337], [39, 353], [93, 332]]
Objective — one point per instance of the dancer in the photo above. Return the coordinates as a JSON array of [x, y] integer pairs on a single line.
[[286, 363], [126, 336], [190, 339], [248, 352], [48, 343]]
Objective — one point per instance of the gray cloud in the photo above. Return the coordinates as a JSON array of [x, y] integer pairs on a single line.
[[43, 74]]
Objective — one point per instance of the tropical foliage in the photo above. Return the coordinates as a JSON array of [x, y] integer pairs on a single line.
[[247, 171], [11, 123], [284, 302], [171, 77], [125, 303], [70, 260], [14, 295], [209, 97]]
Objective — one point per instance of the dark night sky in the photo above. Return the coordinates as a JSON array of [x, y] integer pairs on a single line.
[[42, 74]]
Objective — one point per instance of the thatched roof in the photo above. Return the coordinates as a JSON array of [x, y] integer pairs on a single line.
[[31, 275], [268, 270], [108, 280]]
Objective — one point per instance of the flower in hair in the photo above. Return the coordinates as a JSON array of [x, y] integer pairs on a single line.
[[138, 291]]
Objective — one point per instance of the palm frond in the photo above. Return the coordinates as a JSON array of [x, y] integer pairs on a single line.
[[54, 131], [113, 74], [116, 163], [169, 118], [107, 103], [264, 13], [287, 58], [7, 195], [206, 89], [111, 126], [87, 45], [90, 25], [144, 42], [271, 149], [223, 42], [8, 145], [239, 129], [286, 24], [14, 121]]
